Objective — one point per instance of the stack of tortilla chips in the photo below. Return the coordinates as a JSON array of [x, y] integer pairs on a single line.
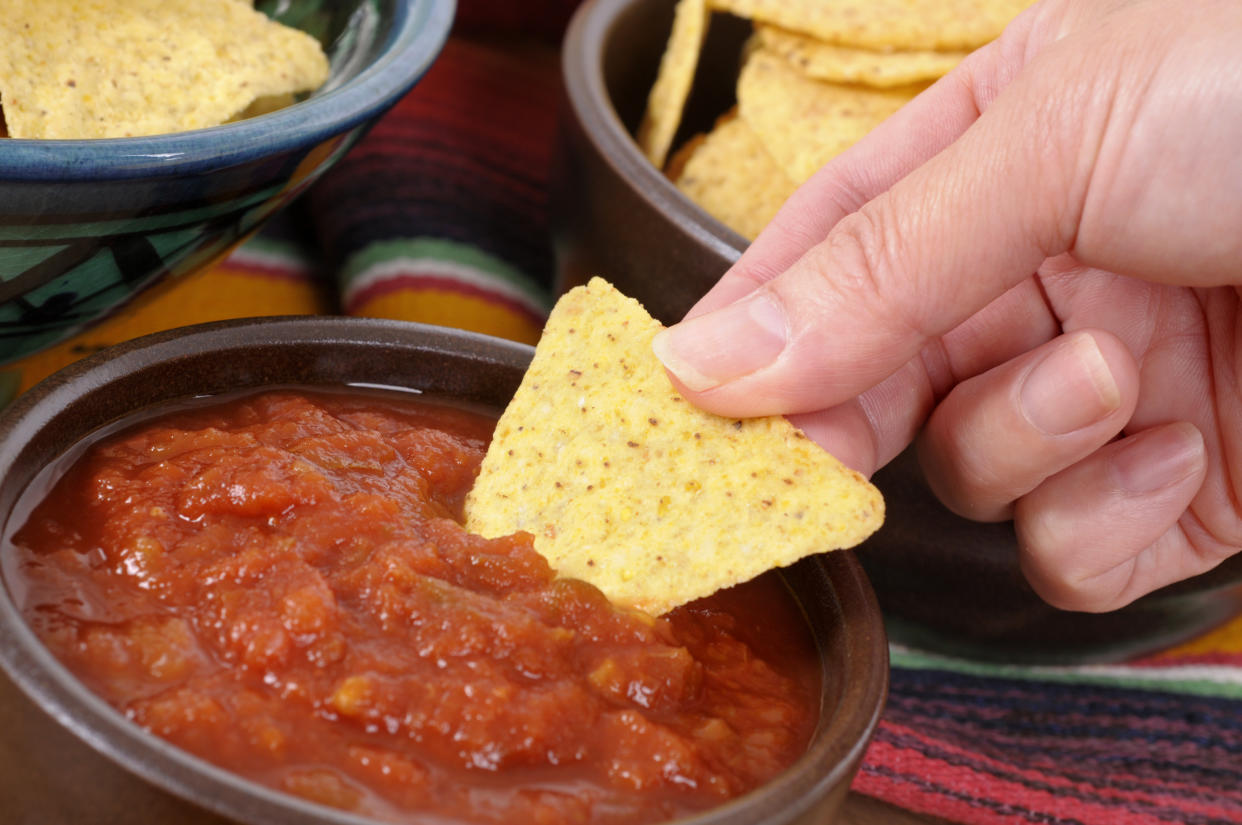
[[816, 76]]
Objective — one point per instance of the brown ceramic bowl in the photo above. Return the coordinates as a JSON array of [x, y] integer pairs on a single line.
[[615, 214], [47, 775], [943, 582]]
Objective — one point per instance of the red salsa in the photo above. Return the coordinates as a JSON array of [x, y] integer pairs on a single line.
[[280, 584]]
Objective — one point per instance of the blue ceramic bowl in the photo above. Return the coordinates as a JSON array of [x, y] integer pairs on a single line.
[[85, 225]]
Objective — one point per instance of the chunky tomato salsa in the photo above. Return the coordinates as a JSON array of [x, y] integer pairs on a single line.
[[280, 584]]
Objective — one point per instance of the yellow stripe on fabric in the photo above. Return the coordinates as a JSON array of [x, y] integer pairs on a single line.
[[451, 309], [216, 294]]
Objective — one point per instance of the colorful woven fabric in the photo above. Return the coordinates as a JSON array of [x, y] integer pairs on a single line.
[[1155, 740], [440, 215]]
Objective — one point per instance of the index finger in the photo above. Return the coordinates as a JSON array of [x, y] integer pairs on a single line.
[[913, 262], [898, 146]]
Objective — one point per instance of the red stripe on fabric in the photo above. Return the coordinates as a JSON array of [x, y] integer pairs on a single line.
[[903, 794], [1137, 765], [933, 778], [484, 92], [413, 282], [1113, 784]]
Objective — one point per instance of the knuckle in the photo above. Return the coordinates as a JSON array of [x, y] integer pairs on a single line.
[[858, 251], [1061, 571], [859, 267], [963, 480], [971, 458]]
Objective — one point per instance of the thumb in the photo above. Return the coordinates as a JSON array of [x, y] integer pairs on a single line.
[[914, 262]]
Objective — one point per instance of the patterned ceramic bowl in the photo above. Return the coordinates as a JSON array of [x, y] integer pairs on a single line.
[[86, 225]]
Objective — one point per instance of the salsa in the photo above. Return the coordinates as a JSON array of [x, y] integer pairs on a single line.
[[280, 584]]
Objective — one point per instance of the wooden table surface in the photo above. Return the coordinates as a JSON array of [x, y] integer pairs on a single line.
[[863, 810]]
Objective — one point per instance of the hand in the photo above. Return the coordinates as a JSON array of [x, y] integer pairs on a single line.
[[1033, 269]]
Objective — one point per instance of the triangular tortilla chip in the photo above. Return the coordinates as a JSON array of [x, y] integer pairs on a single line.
[[850, 64], [804, 123], [626, 485], [673, 82], [885, 24], [731, 175]]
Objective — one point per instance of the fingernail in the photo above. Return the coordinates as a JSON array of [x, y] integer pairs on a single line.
[[1071, 388], [718, 347], [1157, 458]]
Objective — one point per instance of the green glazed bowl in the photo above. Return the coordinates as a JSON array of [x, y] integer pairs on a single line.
[[85, 225]]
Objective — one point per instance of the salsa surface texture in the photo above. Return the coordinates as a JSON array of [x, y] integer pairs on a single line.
[[280, 584]]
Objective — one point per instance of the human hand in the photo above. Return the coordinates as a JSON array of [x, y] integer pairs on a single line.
[[1098, 401]]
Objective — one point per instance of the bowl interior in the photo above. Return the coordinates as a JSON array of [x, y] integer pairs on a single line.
[[353, 33], [630, 55], [613, 213], [477, 370]]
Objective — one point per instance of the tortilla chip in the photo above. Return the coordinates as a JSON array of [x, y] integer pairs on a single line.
[[731, 175], [804, 123], [119, 68], [847, 64], [885, 24], [677, 163], [672, 84], [625, 484]]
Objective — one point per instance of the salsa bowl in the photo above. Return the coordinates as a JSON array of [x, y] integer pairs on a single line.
[[830, 591]]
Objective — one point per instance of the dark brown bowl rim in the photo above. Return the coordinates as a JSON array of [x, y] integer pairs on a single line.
[[832, 758], [582, 68]]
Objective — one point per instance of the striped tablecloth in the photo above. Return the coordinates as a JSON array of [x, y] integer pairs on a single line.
[[440, 215]]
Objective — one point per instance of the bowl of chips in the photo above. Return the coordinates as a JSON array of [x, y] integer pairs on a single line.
[[825, 642], [144, 138], [686, 124]]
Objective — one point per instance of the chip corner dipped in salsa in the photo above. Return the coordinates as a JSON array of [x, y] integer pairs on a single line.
[[280, 583]]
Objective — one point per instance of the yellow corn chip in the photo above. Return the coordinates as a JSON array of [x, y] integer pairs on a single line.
[[885, 24], [116, 68], [847, 64], [672, 84], [624, 484], [804, 123], [731, 175]]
